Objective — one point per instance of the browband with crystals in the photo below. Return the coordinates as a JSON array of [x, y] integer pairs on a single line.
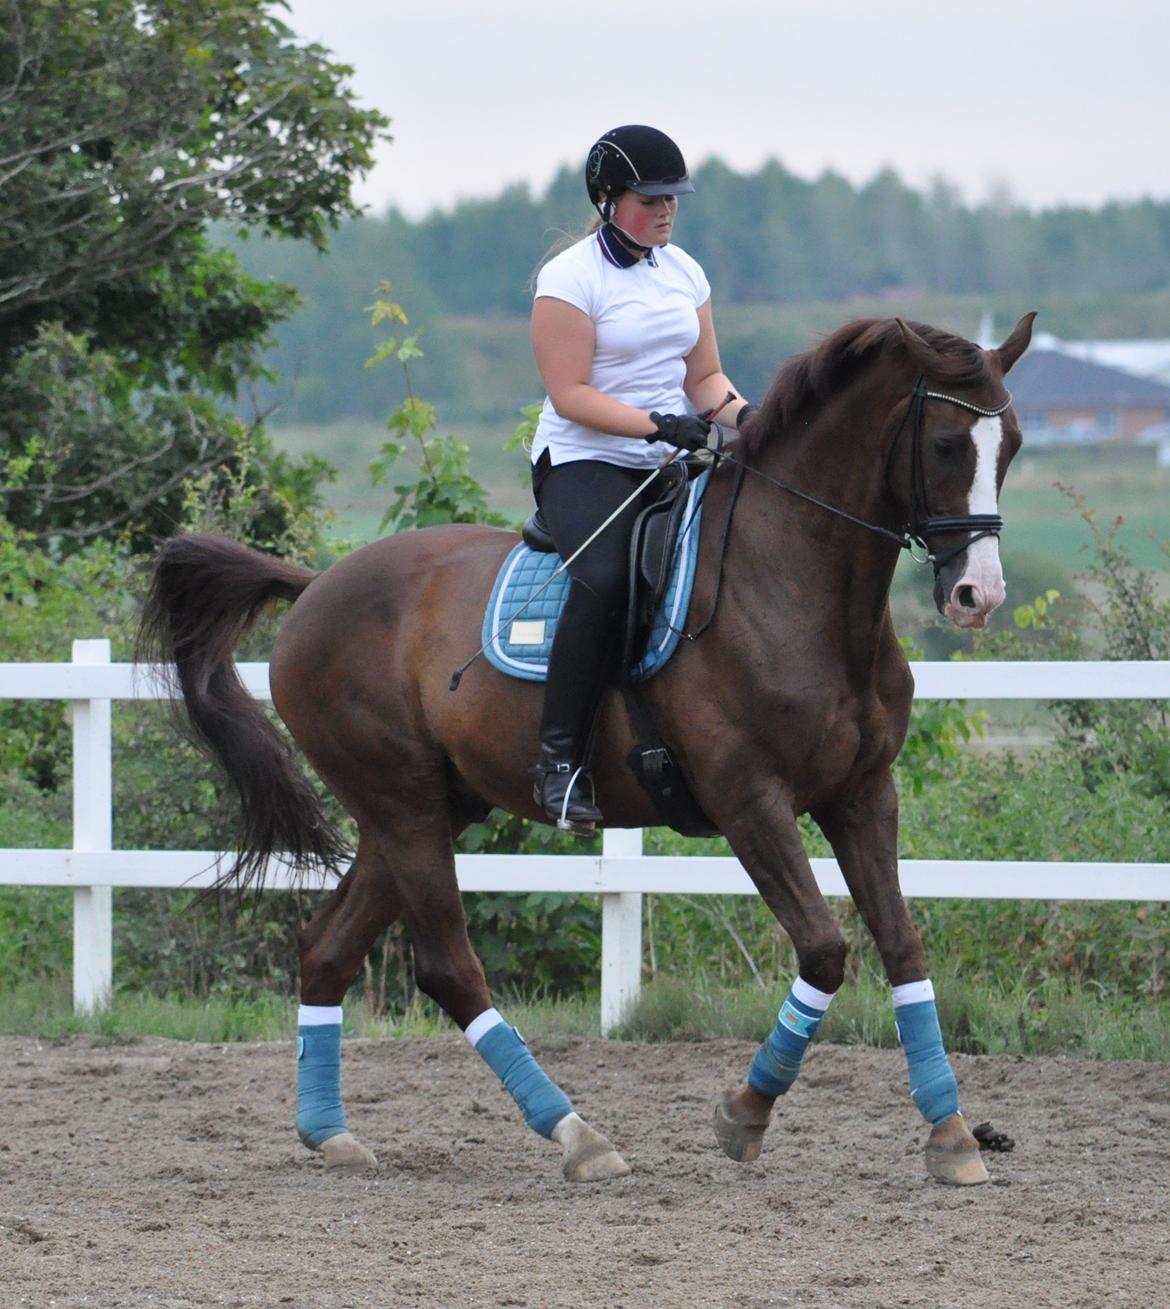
[[966, 404]]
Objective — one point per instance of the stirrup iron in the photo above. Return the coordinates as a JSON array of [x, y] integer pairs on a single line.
[[584, 823], [564, 822]]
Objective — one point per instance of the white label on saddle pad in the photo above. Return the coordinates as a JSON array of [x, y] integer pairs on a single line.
[[527, 632]]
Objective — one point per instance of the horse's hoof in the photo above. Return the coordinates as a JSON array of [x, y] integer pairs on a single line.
[[737, 1140], [589, 1157], [345, 1154], [952, 1154]]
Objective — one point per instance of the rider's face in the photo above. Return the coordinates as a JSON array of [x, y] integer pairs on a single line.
[[648, 219]]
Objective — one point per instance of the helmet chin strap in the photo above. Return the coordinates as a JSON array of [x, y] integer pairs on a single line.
[[629, 240], [606, 210]]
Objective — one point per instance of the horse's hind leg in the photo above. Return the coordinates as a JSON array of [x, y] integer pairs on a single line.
[[447, 969], [333, 946], [863, 834]]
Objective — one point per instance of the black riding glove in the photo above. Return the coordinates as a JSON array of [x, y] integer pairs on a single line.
[[687, 431]]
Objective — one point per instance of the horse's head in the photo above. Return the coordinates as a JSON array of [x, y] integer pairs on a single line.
[[963, 435]]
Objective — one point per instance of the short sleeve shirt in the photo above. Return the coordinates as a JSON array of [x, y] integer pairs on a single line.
[[646, 323]]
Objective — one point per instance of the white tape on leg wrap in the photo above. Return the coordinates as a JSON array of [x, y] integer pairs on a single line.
[[809, 995], [318, 1015], [913, 993], [479, 1027]]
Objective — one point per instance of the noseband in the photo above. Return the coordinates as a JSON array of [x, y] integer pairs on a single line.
[[920, 525]]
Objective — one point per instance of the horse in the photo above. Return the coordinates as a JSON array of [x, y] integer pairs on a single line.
[[795, 700]]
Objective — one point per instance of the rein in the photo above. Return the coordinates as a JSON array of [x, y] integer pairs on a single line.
[[921, 525]]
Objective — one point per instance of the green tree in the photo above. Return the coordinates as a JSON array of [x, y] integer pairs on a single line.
[[126, 127]]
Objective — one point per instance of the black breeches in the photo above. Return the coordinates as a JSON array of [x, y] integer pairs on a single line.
[[575, 499]]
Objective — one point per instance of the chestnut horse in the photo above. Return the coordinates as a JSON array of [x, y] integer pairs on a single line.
[[795, 700]]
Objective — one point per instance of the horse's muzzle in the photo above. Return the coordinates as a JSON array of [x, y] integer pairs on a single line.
[[971, 587]]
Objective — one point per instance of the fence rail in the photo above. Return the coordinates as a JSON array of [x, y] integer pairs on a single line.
[[620, 875]]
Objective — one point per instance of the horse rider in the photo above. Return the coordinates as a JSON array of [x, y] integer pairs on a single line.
[[623, 338]]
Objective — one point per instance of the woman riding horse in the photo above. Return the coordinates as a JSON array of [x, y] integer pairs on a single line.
[[623, 337], [795, 700]]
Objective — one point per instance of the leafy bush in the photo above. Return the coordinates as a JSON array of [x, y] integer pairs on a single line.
[[442, 489]]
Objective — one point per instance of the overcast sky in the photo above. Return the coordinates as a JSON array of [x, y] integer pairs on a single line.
[[1061, 101]]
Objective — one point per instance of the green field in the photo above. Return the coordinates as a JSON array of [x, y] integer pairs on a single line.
[[1116, 482], [350, 446]]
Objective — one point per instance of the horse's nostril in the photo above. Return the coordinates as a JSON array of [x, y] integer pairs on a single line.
[[966, 596]]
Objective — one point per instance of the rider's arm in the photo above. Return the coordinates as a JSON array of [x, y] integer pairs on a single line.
[[706, 384], [563, 341]]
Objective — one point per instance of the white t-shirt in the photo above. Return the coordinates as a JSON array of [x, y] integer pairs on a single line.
[[646, 322]]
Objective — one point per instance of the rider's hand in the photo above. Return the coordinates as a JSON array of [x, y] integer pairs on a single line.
[[687, 431]]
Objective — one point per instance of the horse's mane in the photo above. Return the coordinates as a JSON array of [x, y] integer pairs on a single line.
[[810, 378]]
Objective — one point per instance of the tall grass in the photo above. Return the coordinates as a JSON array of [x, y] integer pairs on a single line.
[[43, 1008], [1052, 1018]]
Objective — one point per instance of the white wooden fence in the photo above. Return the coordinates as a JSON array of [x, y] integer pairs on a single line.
[[621, 874]]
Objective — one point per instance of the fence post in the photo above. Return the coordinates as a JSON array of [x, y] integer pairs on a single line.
[[93, 949], [621, 934]]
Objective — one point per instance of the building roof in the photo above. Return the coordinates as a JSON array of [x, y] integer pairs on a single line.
[[1050, 379], [1147, 357]]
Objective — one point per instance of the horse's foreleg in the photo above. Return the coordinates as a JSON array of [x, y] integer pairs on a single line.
[[447, 969], [769, 846], [864, 834], [333, 946]]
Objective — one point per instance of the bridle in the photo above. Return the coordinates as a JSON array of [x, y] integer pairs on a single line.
[[920, 524]]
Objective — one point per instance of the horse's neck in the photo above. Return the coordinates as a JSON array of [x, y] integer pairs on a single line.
[[838, 454], [837, 571]]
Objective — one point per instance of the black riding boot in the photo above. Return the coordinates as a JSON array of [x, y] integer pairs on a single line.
[[576, 674]]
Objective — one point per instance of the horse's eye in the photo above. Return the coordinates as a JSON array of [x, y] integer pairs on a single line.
[[945, 447]]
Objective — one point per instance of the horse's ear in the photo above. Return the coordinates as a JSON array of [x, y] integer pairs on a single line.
[[1017, 342], [924, 355]]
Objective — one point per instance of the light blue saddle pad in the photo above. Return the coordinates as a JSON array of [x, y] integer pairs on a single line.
[[521, 616]]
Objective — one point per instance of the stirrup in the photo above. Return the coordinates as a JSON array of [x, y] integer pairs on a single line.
[[581, 826], [584, 823]]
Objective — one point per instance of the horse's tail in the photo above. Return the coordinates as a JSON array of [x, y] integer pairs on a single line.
[[205, 593]]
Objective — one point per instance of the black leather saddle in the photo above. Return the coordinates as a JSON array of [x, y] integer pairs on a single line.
[[652, 550]]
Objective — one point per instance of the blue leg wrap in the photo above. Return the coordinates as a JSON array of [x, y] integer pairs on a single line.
[[777, 1061], [319, 1111], [541, 1101], [932, 1083]]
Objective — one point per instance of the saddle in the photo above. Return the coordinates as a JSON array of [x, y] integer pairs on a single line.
[[652, 552], [652, 560]]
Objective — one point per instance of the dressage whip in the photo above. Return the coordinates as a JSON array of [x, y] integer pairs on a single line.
[[457, 675]]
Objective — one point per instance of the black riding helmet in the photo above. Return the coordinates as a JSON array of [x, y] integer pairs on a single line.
[[635, 158]]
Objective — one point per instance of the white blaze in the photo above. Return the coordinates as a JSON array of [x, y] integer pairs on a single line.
[[987, 435], [983, 574]]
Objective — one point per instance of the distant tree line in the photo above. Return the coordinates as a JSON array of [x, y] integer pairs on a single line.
[[767, 238]]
